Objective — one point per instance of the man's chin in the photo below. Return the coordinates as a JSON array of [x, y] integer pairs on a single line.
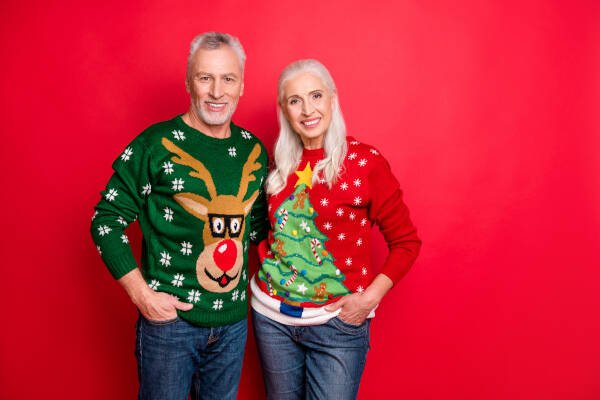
[[216, 118]]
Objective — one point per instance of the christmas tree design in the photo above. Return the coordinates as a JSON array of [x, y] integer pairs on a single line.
[[302, 269]]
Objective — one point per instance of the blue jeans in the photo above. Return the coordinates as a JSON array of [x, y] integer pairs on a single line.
[[176, 359], [311, 362]]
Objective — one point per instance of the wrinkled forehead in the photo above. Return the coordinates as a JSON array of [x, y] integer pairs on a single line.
[[220, 61], [303, 84]]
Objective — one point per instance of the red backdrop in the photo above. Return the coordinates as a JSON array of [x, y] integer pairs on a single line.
[[486, 110]]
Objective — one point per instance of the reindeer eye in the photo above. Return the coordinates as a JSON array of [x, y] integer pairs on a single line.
[[218, 225], [234, 225]]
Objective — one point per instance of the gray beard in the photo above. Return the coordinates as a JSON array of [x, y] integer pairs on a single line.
[[213, 120]]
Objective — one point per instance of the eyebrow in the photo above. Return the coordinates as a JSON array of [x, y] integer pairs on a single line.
[[210, 74], [311, 92]]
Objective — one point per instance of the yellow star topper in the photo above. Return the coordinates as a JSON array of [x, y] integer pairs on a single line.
[[305, 176]]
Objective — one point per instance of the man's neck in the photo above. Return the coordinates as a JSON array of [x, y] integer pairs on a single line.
[[216, 131]]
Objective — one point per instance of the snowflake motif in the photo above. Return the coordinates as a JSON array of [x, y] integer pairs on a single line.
[[352, 156], [364, 271], [357, 182], [243, 296], [360, 289], [154, 284], [344, 186], [362, 162], [127, 154], [354, 142], [327, 226], [99, 250], [348, 261], [321, 180], [304, 225], [217, 304], [374, 151], [324, 201], [363, 222], [357, 200], [168, 167], [165, 258], [177, 184], [112, 193], [341, 236], [302, 288], [194, 296], [244, 274], [253, 235], [352, 216], [359, 242], [103, 230], [178, 135], [234, 295], [124, 238], [121, 221], [168, 214], [177, 280], [232, 151], [246, 134], [147, 188], [95, 214], [339, 212], [186, 248]]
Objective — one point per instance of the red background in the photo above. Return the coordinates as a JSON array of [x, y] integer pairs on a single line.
[[486, 110]]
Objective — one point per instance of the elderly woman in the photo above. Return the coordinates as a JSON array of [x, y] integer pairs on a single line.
[[315, 294]]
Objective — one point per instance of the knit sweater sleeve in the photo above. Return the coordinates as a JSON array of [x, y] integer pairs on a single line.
[[388, 211], [120, 205], [259, 221]]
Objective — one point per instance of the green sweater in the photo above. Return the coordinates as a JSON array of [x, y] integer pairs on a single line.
[[198, 200]]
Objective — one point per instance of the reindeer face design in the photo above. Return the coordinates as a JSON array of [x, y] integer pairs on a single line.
[[218, 267]]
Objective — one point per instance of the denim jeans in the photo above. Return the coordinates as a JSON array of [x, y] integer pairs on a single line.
[[176, 359], [311, 362]]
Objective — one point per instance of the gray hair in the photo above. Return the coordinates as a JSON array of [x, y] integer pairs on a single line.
[[289, 147], [212, 41]]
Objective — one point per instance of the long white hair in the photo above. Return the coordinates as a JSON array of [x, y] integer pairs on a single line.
[[289, 147]]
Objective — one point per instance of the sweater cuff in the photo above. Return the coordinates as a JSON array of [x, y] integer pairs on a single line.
[[396, 267], [121, 265]]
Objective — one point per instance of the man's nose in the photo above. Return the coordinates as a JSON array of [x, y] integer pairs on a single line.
[[216, 89]]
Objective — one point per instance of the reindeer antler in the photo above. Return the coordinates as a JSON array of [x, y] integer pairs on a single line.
[[249, 167], [200, 170]]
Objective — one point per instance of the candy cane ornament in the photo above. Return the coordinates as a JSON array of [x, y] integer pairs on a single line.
[[283, 217], [291, 280], [314, 245]]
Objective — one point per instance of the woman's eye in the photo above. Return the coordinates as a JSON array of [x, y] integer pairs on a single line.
[[317, 96], [218, 225]]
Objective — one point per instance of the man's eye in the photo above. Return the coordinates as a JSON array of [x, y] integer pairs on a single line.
[[204, 78], [294, 101], [229, 79]]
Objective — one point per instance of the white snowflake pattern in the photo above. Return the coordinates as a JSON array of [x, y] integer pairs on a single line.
[[121, 221], [348, 261], [359, 289], [126, 154], [112, 193], [304, 225], [232, 151], [95, 214], [147, 188], [342, 236], [103, 230], [357, 182], [321, 180], [302, 288], [327, 226], [178, 135], [186, 248], [99, 249], [364, 271], [154, 284], [253, 235], [177, 280], [177, 184], [234, 295], [168, 167], [359, 242], [352, 216], [244, 274], [339, 212], [357, 200], [124, 238], [362, 162], [194, 296], [168, 214], [363, 222], [354, 142], [352, 156], [374, 151], [324, 201], [246, 134], [243, 295], [165, 258], [344, 186], [217, 304]]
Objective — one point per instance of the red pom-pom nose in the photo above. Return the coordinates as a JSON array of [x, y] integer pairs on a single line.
[[225, 255]]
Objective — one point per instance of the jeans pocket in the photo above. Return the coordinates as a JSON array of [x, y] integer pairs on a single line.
[[161, 323], [349, 328]]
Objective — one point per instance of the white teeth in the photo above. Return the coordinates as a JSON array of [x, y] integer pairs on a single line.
[[313, 122], [213, 105]]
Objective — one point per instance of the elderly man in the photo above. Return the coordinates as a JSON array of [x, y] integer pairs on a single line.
[[195, 184]]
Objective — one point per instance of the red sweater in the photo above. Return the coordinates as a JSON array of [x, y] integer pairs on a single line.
[[318, 247]]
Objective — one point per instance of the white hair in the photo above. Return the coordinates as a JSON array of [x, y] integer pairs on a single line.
[[214, 40], [289, 147]]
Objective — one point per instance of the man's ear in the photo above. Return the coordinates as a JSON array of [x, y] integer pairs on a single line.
[[242, 91]]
